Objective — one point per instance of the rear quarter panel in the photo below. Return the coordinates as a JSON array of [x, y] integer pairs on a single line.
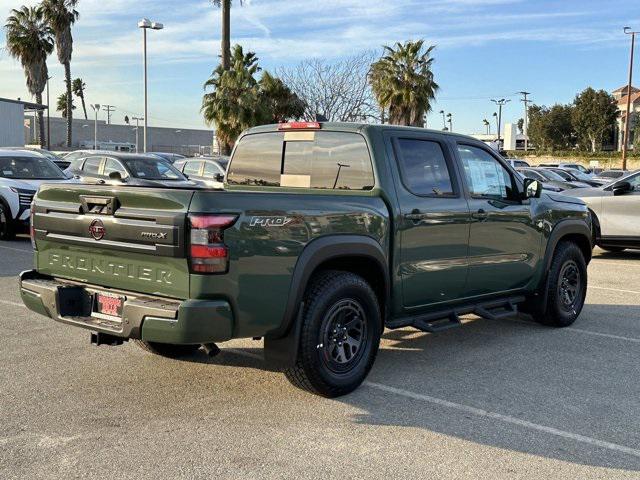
[[270, 234]]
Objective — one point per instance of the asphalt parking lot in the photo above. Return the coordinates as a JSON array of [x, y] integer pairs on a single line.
[[494, 399]]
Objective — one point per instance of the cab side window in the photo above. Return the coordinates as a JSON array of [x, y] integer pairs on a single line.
[[92, 165], [112, 165], [192, 168], [424, 168], [486, 176]]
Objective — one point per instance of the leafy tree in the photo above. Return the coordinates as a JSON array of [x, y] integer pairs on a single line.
[[636, 136], [30, 40], [551, 128], [521, 125], [61, 105], [226, 31], [278, 101], [403, 83], [594, 114], [61, 15], [78, 87], [238, 101]]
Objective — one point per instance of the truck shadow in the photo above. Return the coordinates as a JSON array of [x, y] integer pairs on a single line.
[[15, 255], [579, 384]]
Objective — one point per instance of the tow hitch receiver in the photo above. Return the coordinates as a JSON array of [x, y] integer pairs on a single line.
[[100, 338]]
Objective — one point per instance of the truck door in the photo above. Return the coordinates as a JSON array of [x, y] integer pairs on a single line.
[[434, 224], [504, 240]]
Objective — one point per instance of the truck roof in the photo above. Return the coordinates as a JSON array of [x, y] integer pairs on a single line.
[[359, 127]]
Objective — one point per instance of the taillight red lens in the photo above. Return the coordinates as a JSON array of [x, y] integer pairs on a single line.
[[207, 251], [299, 126]]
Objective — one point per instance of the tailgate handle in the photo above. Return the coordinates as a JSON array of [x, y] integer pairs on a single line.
[[98, 205]]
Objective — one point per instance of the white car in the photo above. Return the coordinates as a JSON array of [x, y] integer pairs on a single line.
[[616, 212], [21, 173]]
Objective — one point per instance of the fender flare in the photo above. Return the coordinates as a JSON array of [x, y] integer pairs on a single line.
[[281, 344], [562, 229]]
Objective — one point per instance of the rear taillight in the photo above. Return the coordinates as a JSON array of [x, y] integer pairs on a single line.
[[32, 230], [207, 251]]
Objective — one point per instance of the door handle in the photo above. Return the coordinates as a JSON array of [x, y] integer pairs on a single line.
[[416, 215], [481, 214]]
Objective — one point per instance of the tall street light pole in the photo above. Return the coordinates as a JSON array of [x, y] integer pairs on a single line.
[[146, 24], [444, 120], [500, 103], [525, 129], [450, 120], [96, 108], [48, 118], [627, 119]]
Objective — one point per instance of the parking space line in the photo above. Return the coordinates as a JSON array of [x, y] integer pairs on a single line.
[[617, 264], [505, 419], [613, 289], [15, 304], [606, 335], [16, 249]]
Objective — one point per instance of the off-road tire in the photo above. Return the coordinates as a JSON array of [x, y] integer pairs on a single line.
[[316, 369], [7, 227], [167, 349], [560, 312], [613, 249]]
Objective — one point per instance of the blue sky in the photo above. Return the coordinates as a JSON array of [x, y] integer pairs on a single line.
[[485, 48]]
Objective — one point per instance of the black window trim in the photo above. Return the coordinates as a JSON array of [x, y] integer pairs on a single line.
[[514, 180], [453, 175]]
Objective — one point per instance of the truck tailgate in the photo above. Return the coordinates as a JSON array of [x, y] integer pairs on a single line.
[[129, 238]]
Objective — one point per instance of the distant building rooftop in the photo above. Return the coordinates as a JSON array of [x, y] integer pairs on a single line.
[[27, 105]]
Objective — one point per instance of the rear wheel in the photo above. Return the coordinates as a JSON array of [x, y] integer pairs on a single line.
[[341, 329], [567, 287], [167, 349], [7, 230], [613, 249]]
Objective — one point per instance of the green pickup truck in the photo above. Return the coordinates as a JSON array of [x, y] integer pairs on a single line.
[[323, 235]]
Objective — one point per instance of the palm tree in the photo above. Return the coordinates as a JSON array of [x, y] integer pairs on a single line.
[[402, 82], [30, 40], [61, 105], [78, 87], [226, 30], [61, 15], [233, 103]]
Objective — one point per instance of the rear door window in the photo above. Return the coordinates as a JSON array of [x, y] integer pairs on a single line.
[[192, 168], [112, 165], [92, 165], [424, 168]]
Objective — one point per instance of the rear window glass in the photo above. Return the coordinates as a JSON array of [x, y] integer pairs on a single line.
[[324, 160]]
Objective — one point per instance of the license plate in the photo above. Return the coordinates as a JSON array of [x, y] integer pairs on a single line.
[[109, 304]]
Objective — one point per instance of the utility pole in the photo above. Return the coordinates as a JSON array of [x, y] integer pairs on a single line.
[[109, 109], [526, 118], [500, 103], [138, 120], [627, 119], [444, 120]]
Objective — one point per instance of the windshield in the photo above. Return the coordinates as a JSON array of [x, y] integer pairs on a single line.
[[564, 176], [29, 168], [579, 175], [553, 176], [152, 169]]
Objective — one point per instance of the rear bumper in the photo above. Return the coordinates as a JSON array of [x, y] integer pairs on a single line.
[[145, 317]]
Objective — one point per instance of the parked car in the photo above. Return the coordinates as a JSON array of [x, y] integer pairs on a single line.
[[567, 177], [129, 168], [204, 170], [21, 173], [578, 176], [610, 176], [324, 235], [517, 163], [76, 154], [547, 184], [616, 213], [568, 182], [170, 157], [58, 160], [568, 165]]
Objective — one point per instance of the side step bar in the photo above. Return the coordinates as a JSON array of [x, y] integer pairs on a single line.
[[447, 319]]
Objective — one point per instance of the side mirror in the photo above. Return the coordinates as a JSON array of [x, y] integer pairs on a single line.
[[218, 177], [116, 176], [621, 188], [532, 188]]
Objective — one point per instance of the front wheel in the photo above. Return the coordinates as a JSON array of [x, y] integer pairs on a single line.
[[567, 287], [341, 328]]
